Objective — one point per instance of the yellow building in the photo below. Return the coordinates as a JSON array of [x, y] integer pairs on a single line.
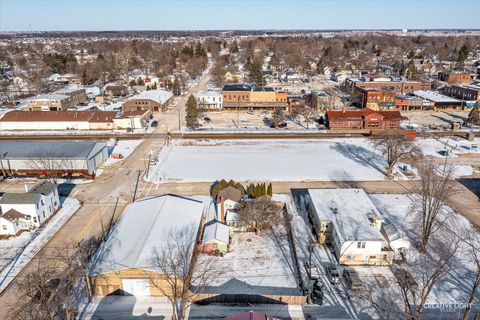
[[125, 263]]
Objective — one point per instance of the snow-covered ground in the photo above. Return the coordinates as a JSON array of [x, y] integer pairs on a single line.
[[123, 147], [22, 255], [458, 170], [274, 160], [431, 147], [257, 264], [453, 289]]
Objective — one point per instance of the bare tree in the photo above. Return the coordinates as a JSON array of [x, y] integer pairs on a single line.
[[422, 273], [50, 164], [183, 274], [308, 115], [395, 147], [472, 237], [430, 196], [406, 293], [52, 290], [260, 214]]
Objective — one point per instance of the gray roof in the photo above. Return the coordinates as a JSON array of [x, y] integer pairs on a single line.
[[44, 187], [349, 210], [64, 149], [146, 225], [215, 230], [19, 198]]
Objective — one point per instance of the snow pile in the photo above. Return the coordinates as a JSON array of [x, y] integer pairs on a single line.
[[69, 207]]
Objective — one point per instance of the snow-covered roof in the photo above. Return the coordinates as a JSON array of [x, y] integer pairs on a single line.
[[160, 96], [146, 225], [433, 96], [49, 97], [215, 230], [349, 210]]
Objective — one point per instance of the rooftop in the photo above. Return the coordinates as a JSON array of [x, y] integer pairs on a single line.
[[19, 198], [349, 210], [236, 87], [215, 230], [160, 96], [145, 225], [43, 187], [12, 214], [62, 149], [354, 114], [40, 116], [433, 96], [49, 97]]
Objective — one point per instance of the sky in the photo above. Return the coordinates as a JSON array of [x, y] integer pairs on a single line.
[[106, 15]]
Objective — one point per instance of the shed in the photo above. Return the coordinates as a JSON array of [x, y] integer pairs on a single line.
[[216, 237]]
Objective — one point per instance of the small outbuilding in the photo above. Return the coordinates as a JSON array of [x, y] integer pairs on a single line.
[[216, 237]]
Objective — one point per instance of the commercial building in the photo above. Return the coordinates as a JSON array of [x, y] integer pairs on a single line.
[[58, 158], [363, 119], [132, 119], [399, 87], [454, 77], [376, 99], [466, 92], [49, 102], [77, 96], [437, 101], [58, 120], [247, 97], [210, 99], [124, 263], [408, 103], [153, 100], [347, 220]]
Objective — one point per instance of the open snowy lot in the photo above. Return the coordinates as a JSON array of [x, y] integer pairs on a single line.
[[431, 147], [18, 252], [123, 147], [274, 160], [257, 264]]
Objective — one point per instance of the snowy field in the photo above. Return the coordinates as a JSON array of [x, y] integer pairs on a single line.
[[257, 264], [123, 147], [274, 160], [17, 257]]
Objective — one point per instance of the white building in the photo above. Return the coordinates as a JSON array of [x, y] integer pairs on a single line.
[[21, 211], [210, 99], [347, 220]]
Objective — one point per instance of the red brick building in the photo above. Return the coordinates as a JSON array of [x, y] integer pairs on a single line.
[[363, 119], [454, 77], [399, 87]]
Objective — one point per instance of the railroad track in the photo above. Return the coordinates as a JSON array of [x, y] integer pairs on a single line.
[[222, 135]]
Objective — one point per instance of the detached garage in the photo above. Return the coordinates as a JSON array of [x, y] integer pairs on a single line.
[[52, 157], [124, 264]]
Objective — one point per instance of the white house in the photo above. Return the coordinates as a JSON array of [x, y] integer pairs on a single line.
[[347, 220], [210, 99], [28, 210]]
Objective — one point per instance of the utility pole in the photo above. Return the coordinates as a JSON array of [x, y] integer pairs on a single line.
[[179, 121], [136, 186], [309, 272], [101, 221]]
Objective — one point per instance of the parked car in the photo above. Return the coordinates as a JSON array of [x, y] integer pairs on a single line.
[[154, 123], [207, 119], [333, 274], [282, 125], [312, 270], [352, 279]]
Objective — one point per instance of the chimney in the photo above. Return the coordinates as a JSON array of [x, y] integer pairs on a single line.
[[343, 110], [26, 188], [222, 210]]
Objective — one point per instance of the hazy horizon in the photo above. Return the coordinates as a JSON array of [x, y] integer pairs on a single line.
[[231, 15]]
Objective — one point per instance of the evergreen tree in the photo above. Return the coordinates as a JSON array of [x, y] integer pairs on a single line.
[[192, 113], [277, 116], [474, 116], [154, 86], [269, 189], [176, 88], [199, 51], [148, 88]]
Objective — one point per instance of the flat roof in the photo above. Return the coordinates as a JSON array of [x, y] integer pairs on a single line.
[[61, 149], [434, 96], [160, 96], [146, 225], [349, 210], [49, 97]]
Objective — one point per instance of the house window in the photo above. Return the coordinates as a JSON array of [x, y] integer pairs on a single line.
[[35, 219], [4, 227], [361, 244], [385, 257], [351, 257]]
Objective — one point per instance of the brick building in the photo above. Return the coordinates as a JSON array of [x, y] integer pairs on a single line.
[[376, 98], [153, 100], [453, 77], [469, 92], [363, 119], [243, 96], [49, 102]]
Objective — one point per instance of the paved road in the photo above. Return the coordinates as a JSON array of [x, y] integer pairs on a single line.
[[103, 199]]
